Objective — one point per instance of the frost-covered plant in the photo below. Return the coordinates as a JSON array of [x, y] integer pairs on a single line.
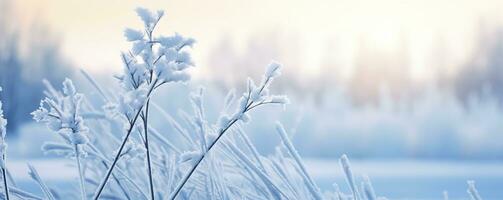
[[3, 148], [472, 191], [254, 96], [115, 145], [151, 62], [7, 189], [349, 176], [60, 111]]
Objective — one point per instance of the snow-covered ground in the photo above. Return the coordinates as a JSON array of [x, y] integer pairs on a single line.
[[396, 179], [414, 179]]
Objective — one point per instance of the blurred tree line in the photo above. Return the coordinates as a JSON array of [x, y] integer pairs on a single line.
[[26, 58]]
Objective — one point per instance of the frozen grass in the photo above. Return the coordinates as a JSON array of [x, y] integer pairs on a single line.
[[119, 154]]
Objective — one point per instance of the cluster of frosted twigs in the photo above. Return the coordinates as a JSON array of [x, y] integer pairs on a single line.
[[120, 154]]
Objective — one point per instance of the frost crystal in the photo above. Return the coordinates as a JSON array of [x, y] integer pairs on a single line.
[[133, 35], [147, 16], [190, 156], [273, 70], [257, 95], [61, 113], [281, 99], [133, 150]]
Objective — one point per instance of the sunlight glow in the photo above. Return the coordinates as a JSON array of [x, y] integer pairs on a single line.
[[390, 27]]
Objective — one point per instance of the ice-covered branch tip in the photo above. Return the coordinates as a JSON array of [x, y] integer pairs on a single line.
[[154, 57], [148, 17], [151, 62], [273, 70], [61, 113], [256, 96]]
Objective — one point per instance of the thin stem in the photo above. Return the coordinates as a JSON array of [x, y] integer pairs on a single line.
[[109, 172], [145, 126], [118, 182], [121, 148], [193, 169], [105, 161], [4, 176], [81, 175]]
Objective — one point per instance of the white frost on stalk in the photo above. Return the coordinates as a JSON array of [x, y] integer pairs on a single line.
[[281, 99], [196, 99], [349, 175], [34, 175], [210, 137], [472, 191], [3, 121], [175, 41], [190, 156], [61, 113], [134, 150], [258, 95], [338, 193], [273, 70], [368, 190], [148, 17], [291, 150], [135, 98], [3, 132], [57, 148], [223, 121], [133, 35], [111, 110], [229, 98]]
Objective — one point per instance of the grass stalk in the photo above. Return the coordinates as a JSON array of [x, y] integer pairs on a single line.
[[81, 174], [149, 165], [5, 185], [121, 148]]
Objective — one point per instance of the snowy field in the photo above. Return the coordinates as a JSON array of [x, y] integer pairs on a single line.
[[410, 179], [406, 179]]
